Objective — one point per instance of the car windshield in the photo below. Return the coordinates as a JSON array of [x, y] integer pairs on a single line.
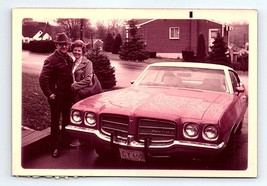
[[184, 77]]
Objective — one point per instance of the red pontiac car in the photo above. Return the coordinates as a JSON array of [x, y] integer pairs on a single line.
[[172, 108]]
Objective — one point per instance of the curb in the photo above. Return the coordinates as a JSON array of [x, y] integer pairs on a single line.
[[34, 143]]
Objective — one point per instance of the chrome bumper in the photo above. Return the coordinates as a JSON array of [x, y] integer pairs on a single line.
[[131, 143]]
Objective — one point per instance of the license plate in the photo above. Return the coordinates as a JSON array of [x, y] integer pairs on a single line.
[[133, 155]]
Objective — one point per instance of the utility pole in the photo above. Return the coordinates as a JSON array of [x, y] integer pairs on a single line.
[[92, 41], [81, 28]]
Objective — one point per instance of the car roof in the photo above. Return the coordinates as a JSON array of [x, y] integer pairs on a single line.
[[192, 64]]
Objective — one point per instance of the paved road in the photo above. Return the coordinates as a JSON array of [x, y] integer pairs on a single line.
[[84, 157], [235, 158], [125, 71], [33, 62]]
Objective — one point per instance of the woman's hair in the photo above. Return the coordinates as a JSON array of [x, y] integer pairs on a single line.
[[78, 43]]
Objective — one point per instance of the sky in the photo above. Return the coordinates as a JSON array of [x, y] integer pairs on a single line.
[[105, 15]]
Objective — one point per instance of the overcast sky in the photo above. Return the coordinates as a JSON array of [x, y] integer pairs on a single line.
[[222, 16]]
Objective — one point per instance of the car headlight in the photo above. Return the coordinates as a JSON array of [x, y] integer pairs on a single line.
[[210, 133], [76, 117], [191, 130], [90, 119]]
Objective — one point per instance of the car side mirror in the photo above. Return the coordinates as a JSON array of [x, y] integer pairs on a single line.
[[239, 89]]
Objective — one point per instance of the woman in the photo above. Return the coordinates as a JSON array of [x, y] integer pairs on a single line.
[[82, 70]]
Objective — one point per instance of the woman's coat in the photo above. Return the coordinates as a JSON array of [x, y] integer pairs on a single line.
[[83, 74]]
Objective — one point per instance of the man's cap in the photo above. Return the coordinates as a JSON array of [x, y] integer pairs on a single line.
[[62, 38]]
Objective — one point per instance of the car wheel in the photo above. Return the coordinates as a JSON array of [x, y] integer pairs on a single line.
[[104, 153], [85, 144], [100, 152]]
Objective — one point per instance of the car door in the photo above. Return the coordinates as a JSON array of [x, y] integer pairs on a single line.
[[240, 97]]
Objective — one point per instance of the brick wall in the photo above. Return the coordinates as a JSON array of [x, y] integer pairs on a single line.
[[156, 34]]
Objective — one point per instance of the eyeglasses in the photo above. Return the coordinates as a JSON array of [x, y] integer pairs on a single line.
[[63, 44]]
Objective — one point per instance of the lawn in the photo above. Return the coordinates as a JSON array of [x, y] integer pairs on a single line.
[[35, 108], [150, 60]]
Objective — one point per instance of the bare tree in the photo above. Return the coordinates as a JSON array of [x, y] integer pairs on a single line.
[[101, 30], [76, 28], [26, 20], [114, 26]]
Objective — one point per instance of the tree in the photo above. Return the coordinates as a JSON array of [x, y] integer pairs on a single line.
[[26, 20], [218, 52], [133, 48], [116, 44], [71, 27], [75, 27], [108, 42], [239, 34], [87, 29], [102, 68], [113, 26], [201, 48], [101, 30], [29, 29]]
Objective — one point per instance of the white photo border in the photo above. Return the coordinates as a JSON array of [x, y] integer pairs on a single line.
[[19, 13]]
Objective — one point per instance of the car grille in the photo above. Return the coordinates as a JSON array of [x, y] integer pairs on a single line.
[[115, 124], [158, 131]]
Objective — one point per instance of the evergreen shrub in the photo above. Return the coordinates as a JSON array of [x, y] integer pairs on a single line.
[[218, 52], [134, 47], [43, 46], [102, 68], [116, 44]]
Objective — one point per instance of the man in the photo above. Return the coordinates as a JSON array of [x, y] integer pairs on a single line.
[[55, 81]]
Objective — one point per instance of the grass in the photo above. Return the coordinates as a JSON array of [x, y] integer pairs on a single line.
[[149, 60], [35, 108]]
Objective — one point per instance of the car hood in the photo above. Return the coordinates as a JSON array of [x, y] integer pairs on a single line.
[[156, 102]]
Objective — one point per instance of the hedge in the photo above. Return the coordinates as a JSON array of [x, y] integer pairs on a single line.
[[43, 46]]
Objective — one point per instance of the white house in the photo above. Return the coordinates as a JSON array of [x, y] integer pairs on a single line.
[[41, 36]]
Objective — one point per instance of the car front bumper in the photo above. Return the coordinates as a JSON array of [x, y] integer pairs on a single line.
[[177, 147]]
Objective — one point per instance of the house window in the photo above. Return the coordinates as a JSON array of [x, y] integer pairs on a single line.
[[174, 33], [212, 35]]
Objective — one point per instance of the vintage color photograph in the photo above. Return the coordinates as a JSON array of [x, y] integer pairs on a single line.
[[134, 92]]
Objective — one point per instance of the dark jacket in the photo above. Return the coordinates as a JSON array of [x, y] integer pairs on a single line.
[[55, 77], [83, 74]]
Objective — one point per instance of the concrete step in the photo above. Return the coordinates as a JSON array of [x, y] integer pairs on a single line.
[[33, 142]]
